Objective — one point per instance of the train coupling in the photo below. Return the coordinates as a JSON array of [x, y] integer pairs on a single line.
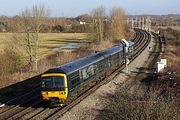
[[55, 102]]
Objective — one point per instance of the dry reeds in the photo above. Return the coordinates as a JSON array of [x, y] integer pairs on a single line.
[[130, 106]]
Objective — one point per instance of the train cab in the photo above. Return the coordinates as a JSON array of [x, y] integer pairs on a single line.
[[130, 49], [131, 46], [54, 87]]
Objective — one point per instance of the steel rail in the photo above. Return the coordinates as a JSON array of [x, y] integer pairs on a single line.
[[17, 100], [26, 110], [7, 114]]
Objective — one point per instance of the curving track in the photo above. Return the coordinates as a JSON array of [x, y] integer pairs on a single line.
[[31, 105]]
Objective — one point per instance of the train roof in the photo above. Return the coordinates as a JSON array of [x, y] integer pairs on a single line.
[[113, 50], [131, 43], [78, 64], [70, 67]]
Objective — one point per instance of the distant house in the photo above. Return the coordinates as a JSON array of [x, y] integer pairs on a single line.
[[82, 23]]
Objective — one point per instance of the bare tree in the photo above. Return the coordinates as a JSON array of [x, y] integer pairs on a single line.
[[118, 23], [109, 27], [39, 14], [28, 38], [98, 15]]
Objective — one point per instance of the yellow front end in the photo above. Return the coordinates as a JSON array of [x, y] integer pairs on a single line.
[[60, 95]]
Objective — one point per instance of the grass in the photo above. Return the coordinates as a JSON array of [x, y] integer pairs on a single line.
[[130, 106], [172, 27], [3, 38], [48, 41]]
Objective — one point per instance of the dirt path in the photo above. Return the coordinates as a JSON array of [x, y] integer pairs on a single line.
[[89, 107]]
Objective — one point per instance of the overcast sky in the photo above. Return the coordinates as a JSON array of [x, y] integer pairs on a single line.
[[72, 8]]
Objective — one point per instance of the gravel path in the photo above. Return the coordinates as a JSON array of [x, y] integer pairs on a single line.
[[88, 108]]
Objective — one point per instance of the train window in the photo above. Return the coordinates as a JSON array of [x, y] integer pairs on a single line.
[[95, 68], [100, 65], [53, 82], [75, 75], [46, 82], [80, 75], [75, 82], [109, 62], [58, 81], [75, 78]]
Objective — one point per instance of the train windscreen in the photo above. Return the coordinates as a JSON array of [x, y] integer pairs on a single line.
[[52, 83]]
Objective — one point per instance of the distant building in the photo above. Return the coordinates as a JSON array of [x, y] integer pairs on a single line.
[[82, 23]]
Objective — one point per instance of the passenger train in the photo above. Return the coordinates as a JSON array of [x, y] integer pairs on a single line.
[[64, 83]]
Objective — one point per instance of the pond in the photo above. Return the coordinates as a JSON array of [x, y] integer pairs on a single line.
[[69, 46]]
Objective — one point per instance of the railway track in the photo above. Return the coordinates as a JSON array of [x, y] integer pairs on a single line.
[[147, 75], [35, 109], [9, 104], [17, 104], [20, 107]]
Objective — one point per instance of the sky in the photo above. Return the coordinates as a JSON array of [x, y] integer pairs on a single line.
[[73, 8]]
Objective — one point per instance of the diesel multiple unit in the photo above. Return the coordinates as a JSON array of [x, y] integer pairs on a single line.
[[64, 83]]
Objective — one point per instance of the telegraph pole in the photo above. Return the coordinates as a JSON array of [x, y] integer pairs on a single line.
[[136, 25], [143, 23], [132, 23], [139, 22], [149, 24]]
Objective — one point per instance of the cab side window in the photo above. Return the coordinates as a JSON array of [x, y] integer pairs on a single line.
[[75, 80]]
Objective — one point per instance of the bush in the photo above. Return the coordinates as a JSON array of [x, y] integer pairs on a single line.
[[125, 105], [10, 62], [45, 28], [57, 28]]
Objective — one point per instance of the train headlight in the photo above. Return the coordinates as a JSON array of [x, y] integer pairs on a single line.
[[43, 84], [44, 93], [62, 93]]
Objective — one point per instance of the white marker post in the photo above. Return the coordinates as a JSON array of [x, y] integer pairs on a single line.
[[164, 61], [160, 66]]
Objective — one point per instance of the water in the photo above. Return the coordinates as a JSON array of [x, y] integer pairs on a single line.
[[69, 46]]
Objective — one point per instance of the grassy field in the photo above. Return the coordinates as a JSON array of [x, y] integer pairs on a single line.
[[172, 27], [48, 41], [4, 37]]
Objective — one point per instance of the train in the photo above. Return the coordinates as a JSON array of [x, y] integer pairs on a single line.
[[62, 84]]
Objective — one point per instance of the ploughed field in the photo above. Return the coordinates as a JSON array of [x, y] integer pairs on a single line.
[[48, 41]]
